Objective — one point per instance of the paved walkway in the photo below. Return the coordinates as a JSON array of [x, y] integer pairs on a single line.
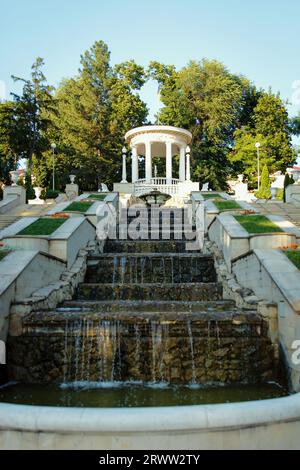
[[289, 211]]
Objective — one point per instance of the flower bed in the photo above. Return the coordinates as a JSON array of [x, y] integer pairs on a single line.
[[257, 224]]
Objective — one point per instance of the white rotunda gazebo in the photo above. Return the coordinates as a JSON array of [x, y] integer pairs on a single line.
[[158, 141]]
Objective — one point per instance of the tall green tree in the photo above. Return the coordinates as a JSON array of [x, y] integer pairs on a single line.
[[96, 108], [33, 112], [205, 98], [295, 125], [8, 141], [271, 127]]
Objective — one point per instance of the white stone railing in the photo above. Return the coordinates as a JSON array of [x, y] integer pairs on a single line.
[[160, 184], [157, 181], [140, 189]]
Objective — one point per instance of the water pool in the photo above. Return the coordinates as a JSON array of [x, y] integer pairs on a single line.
[[116, 395]]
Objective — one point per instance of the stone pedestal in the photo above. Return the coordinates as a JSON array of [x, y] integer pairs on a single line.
[[18, 191], [72, 190], [241, 191]]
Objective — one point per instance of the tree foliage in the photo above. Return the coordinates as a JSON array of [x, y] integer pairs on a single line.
[[205, 98], [95, 109], [33, 113], [88, 115], [271, 127], [8, 131]]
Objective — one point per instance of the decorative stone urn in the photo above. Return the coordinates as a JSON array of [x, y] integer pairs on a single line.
[[72, 178], [14, 177], [38, 192], [273, 192], [240, 178]]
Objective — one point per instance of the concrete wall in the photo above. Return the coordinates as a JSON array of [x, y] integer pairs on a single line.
[[293, 193], [6, 205], [64, 243], [73, 235], [21, 273], [13, 196], [272, 277], [233, 240], [267, 424]]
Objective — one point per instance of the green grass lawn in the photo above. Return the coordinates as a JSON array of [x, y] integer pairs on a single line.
[[257, 224], [79, 206], [44, 226], [99, 197], [294, 257], [227, 205], [211, 195]]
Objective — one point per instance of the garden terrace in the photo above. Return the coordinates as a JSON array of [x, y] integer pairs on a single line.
[[98, 197], [257, 224], [294, 257], [226, 205], [211, 196], [44, 226], [78, 206]]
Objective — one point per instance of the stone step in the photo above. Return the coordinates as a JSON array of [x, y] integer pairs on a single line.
[[6, 220], [201, 315], [197, 348], [140, 246], [136, 307], [144, 234], [181, 291], [150, 268]]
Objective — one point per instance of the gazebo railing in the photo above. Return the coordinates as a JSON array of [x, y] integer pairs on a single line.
[[160, 184], [157, 181]]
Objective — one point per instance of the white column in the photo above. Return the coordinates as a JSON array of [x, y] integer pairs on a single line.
[[124, 172], [169, 162], [182, 164], [148, 162], [188, 166], [134, 165]]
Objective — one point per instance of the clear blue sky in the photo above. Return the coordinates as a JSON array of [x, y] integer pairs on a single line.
[[258, 38]]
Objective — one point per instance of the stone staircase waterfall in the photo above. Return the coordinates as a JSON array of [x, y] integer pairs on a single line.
[[148, 311]]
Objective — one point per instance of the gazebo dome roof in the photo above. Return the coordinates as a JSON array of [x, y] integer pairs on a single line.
[[159, 131]]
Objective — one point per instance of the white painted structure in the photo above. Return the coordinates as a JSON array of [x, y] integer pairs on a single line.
[[274, 278], [158, 141], [234, 241], [264, 424]]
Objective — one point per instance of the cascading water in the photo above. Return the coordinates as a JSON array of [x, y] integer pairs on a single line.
[[193, 367], [148, 312], [94, 351]]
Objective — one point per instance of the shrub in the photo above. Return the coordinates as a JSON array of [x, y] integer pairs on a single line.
[[279, 194], [264, 191], [30, 194], [286, 183], [51, 194]]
